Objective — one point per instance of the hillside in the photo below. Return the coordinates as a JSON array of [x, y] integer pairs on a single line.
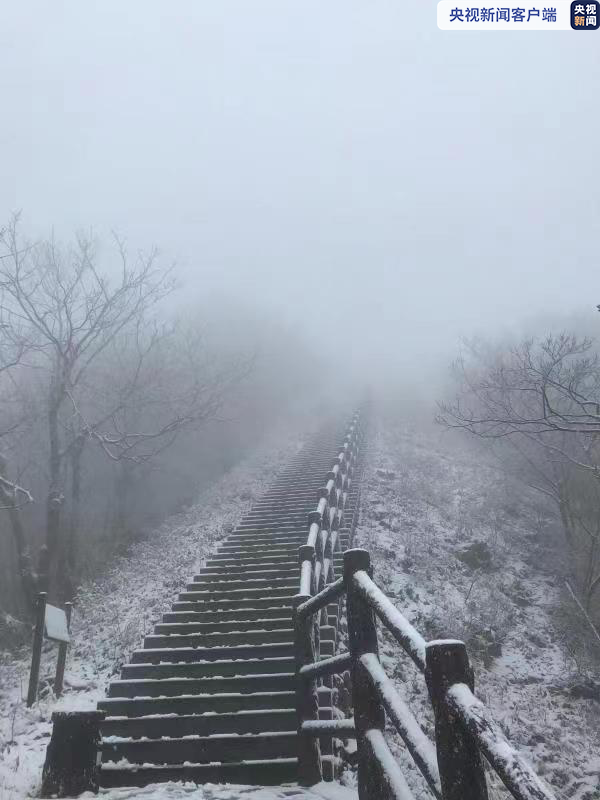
[[464, 554]]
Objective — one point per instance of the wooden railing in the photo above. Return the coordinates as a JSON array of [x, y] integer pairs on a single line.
[[465, 731]]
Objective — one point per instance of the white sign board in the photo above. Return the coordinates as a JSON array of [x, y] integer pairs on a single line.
[[56, 624]]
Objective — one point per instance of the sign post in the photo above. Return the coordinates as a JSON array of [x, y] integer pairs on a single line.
[[62, 654], [36, 656], [54, 622]]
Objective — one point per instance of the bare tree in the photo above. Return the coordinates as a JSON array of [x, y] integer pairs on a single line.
[[98, 359], [540, 402]]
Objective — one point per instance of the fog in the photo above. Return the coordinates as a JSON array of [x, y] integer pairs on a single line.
[[338, 164], [345, 192]]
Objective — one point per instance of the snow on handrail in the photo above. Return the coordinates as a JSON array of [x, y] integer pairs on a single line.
[[418, 744], [391, 773], [326, 666], [516, 773], [318, 601], [341, 728], [400, 628], [305, 577]]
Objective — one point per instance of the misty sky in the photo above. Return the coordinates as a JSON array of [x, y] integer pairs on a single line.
[[342, 160]]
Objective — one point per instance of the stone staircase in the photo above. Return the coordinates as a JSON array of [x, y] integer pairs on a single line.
[[211, 695]]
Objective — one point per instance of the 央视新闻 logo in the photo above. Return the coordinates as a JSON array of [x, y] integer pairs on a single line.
[[585, 16]]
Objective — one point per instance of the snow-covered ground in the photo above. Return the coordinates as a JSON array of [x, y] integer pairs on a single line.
[[187, 791], [464, 557]]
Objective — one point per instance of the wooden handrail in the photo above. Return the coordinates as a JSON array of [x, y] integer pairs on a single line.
[[326, 666], [317, 588], [386, 780], [320, 600], [418, 744], [396, 623], [465, 729], [516, 774]]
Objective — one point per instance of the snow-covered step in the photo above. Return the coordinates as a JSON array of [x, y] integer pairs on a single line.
[[199, 704], [287, 547], [240, 614], [211, 573], [269, 537], [255, 559], [275, 719], [223, 639], [176, 687], [202, 749], [250, 581], [231, 626], [272, 772], [175, 726], [227, 604], [194, 654], [205, 669], [276, 515], [288, 588]]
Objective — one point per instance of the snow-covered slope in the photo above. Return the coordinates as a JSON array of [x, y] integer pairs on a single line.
[[463, 557]]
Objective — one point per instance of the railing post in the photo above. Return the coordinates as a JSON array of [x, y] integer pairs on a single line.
[[368, 709], [459, 760], [36, 655], [62, 655], [310, 769], [308, 586], [72, 756]]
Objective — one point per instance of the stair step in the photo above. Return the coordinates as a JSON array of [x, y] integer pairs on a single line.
[[201, 724], [250, 558], [273, 772], [288, 589], [206, 669], [267, 539], [216, 574], [288, 549], [196, 654], [241, 583], [224, 627], [282, 719], [199, 704], [239, 614], [203, 749], [176, 687], [214, 604], [218, 639]]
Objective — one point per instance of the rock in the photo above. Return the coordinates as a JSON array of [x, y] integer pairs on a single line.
[[477, 555], [586, 691]]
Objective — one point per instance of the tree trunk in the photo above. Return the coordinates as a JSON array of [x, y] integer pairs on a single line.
[[70, 550], [49, 562]]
